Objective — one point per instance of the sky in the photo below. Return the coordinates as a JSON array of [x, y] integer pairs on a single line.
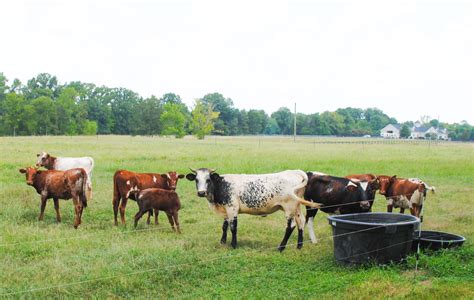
[[407, 58]]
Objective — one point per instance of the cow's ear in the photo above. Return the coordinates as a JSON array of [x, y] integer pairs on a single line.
[[22, 171], [393, 178], [309, 174], [181, 176], [215, 176], [190, 176]]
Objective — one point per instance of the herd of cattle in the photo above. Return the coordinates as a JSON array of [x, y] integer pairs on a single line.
[[228, 195]]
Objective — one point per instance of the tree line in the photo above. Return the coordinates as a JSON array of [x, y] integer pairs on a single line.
[[43, 106]]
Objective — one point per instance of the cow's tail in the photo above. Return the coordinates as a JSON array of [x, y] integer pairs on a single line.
[[302, 185], [430, 188], [83, 196]]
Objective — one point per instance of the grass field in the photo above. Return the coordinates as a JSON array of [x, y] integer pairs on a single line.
[[46, 259]]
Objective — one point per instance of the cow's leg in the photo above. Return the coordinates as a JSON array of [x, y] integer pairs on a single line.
[[176, 221], [148, 218], [233, 230], [56, 207], [289, 230], [310, 214], [170, 219], [402, 210], [77, 211], [225, 225], [156, 216], [138, 215], [123, 205], [89, 189], [115, 203], [300, 224], [42, 206], [390, 205]]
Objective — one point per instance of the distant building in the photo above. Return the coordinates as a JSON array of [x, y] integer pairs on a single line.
[[391, 131], [418, 131]]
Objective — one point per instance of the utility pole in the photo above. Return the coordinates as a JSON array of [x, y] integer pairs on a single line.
[[294, 127]]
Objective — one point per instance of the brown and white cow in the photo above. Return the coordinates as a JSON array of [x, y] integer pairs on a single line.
[[404, 193], [126, 181], [59, 185], [66, 163]]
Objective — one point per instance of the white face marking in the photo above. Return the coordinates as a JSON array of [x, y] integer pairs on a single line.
[[329, 189], [41, 157], [168, 175], [350, 183], [364, 184], [201, 180], [154, 179], [128, 182]]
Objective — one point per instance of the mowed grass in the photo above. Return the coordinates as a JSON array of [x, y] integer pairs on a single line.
[[46, 259]]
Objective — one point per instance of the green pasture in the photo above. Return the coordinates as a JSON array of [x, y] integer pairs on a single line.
[[46, 259]]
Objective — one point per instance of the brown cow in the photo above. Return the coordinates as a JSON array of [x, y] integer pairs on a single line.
[[125, 181], [159, 199], [59, 185], [404, 193]]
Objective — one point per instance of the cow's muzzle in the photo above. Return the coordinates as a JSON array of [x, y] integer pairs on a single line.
[[201, 194], [365, 205], [29, 182]]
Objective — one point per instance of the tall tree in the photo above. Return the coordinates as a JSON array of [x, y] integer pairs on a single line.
[[203, 118], [173, 120], [284, 118]]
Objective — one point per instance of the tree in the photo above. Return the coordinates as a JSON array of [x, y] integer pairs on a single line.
[[203, 118], [405, 131], [272, 127], [173, 120], [284, 118], [228, 116], [90, 128]]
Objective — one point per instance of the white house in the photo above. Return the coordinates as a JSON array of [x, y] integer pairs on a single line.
[[391, 131]]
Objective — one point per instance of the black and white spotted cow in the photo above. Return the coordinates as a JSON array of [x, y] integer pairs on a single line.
[[233, 194]]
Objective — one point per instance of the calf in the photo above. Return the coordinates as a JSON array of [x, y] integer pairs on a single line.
[[59, 185], [125, 180], [159, 199], [67, 163], [404, 193], [340, 195], [232, 194]]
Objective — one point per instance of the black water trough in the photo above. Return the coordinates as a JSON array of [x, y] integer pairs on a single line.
[[372, 237], [435, 240]]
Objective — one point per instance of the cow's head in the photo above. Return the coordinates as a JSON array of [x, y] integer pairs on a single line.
[[43, 159], [385, 182], [30, 173], [205, 180], [172, 179], [363, 189]]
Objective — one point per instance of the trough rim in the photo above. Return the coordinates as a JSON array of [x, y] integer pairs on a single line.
[[338, 218], [462, 238]]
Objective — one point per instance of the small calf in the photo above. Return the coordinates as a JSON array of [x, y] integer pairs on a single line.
[[158, 199]]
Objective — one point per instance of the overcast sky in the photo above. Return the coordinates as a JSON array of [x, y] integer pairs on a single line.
[[408, 58]]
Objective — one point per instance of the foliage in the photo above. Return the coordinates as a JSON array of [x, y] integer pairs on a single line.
[[173, 120], [405, 131], [203, 118], [44, 106]]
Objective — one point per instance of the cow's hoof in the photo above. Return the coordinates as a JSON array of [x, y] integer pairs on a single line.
[[299, 246], [281, 248], [223, 242]]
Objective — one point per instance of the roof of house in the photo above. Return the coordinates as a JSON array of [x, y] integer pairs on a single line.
[[420, 129], [394, 125]]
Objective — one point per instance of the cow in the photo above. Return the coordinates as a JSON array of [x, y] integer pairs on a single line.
[[125, 181], [158, 199], [66, 163], [336, 195], [263, 194], [59, 185], [404, 193]]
